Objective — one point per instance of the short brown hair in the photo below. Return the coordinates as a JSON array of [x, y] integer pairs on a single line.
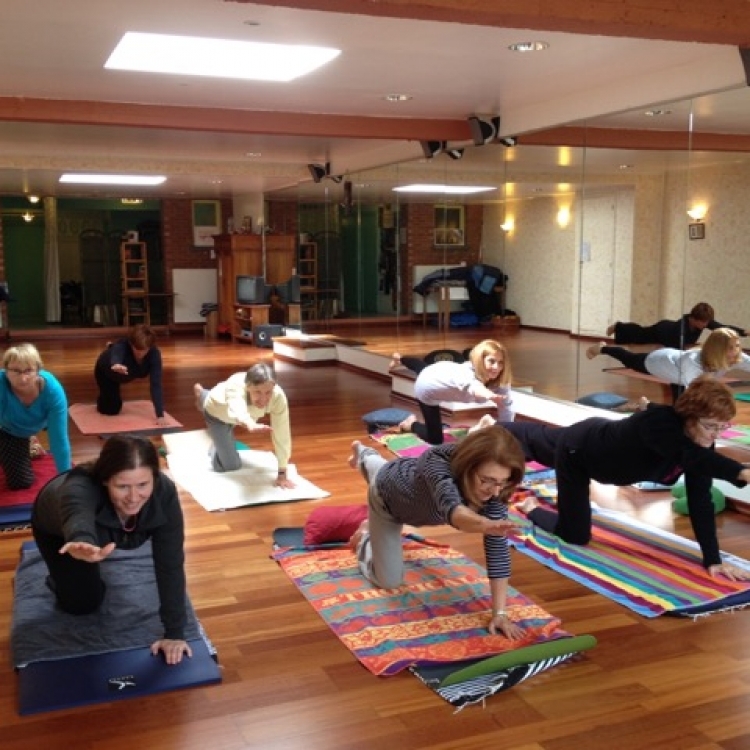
[[488, 444], [141, 337], [706, 398], [703, 312]]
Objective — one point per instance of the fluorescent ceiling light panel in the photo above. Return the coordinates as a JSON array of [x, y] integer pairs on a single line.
[[113, 179], [449, 189], [216, 58]]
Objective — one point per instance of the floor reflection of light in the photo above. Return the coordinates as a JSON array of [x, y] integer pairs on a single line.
[[653, 508]]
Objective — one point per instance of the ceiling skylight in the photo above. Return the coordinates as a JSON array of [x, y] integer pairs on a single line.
[[217, 58], [113, 179], [445, 189]]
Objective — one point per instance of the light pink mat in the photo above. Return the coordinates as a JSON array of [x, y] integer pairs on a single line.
[[136, 416]]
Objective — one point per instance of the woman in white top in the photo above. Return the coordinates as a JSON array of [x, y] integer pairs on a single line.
[[242, 400], [485, 376], [721, 352]]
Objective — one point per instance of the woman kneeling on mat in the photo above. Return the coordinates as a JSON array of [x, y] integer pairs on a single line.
[[125, 360], [466, 485], [121, 500], [31, 399], [658, 444], [241, 400]]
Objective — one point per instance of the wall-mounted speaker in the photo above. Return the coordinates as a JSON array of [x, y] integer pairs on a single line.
[[263, 336]]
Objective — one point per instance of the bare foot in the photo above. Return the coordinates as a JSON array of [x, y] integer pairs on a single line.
[[643, 403], [405, 426], [486, 421], [395, 361], [356, 537], [611, 330], [528, 505], [353, 459], [198, 393], [595, 350]]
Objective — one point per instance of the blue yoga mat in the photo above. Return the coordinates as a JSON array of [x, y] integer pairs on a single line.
[[63, 660]]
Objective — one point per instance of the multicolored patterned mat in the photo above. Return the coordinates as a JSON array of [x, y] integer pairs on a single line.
[[408, 445], [650, 571], [438, 615], [737, 433]]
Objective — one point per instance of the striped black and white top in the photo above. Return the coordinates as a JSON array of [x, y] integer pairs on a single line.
[[422, 492]]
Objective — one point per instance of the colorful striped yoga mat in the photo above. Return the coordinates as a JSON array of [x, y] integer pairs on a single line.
[[408, 445], [649, 571], [438, 615]]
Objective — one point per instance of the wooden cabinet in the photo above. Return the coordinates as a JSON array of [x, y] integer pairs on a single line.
[[134, 281], [271, 256]]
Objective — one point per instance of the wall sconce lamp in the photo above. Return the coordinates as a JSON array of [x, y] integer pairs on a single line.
[[508, 225], [698, 212], [563, 217], [27, 217], [33, 198]]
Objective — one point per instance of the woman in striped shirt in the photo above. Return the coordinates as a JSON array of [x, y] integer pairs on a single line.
[[466, 485]]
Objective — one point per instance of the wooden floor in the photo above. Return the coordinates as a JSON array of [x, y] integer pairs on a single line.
[[289, 684]]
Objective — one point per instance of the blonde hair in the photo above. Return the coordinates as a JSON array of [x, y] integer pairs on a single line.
[[477, 355], [25, 354], [715, 350]]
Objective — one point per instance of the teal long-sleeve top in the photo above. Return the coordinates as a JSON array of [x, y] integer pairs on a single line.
[[48, 411]]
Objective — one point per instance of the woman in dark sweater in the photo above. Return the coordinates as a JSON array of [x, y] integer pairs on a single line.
[[121, 500], [125, 360], [659, 444]]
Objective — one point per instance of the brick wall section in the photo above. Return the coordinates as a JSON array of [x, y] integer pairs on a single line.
[[419, 219], [177, 238], [283, 217]]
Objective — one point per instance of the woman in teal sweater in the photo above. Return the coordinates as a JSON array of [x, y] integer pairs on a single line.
[[31, 400]]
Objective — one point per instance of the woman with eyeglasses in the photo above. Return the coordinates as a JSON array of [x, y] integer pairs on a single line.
[[466, 485], [31, 400], [659, 444]]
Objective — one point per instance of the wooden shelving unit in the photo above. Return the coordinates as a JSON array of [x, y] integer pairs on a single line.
[[134, 279], [307, 270]]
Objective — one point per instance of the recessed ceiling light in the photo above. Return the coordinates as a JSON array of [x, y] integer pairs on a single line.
[[657, 112], [447, 189], [528, 46], [217, 58], [112, 179], [397, 97]]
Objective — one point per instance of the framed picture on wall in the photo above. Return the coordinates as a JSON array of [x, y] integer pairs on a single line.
[[449, 226], [206, 222]]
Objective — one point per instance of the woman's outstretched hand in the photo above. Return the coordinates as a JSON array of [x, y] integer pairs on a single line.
[[732, 572], [87, 552], [503, 625]]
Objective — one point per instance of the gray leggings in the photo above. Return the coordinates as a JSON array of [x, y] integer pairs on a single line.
[[380, 551], [224, 453]]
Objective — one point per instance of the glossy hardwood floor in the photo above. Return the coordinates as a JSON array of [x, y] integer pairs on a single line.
[[289, 684]]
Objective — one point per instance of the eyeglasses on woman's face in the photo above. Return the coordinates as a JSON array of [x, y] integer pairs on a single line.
[[715, 428], [492, 483], [21, 372]]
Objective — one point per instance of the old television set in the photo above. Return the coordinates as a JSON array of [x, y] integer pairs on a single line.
[[251, 290]]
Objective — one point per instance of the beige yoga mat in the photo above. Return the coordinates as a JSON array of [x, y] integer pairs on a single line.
[[253, 484], [135, 417]]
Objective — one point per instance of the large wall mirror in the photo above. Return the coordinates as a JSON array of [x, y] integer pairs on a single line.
[[590, 232]]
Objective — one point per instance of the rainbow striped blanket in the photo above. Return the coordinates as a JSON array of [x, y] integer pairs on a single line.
[[408, 445], [648, 570], [438, 615]]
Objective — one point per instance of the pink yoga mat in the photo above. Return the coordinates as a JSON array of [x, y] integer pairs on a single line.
[[136, 416]]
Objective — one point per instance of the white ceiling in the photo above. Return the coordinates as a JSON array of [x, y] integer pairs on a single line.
[[205, 134]]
